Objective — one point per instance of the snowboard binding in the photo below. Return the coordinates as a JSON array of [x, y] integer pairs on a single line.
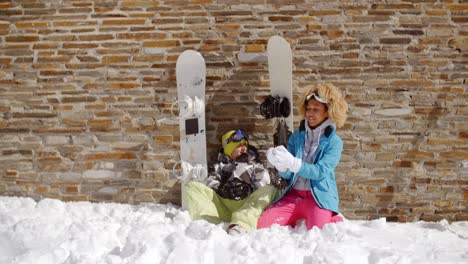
[[275, 106], [282, 134], [190, 172], [190, 107]]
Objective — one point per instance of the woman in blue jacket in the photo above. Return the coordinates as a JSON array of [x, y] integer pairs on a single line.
[[309, 162]]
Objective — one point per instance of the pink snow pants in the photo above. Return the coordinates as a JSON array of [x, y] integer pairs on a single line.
[[297, 205]]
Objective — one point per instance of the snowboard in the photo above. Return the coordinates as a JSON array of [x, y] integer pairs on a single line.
[[191, 78], [280, 104]]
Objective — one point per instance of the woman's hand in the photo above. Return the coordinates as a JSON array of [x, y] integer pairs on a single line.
[[283, 160], [275, 160]]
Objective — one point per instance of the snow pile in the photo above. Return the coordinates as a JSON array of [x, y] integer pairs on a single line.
[[51, 231]]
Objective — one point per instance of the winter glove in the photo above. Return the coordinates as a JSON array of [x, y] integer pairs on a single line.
[[276, 180], [275, 161], [235, 189], [286, 159]]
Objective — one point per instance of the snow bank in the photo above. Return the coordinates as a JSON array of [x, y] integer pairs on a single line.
[[51, 231]]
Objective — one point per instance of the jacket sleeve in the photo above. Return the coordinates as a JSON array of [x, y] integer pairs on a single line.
[[261, 176], [214, 180], [327, 163]]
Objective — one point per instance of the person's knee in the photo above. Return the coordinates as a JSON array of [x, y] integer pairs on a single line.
[[193, 185], [195, 188], [267, 192]]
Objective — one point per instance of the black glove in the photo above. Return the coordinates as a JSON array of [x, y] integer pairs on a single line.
[[276, 180], [235, 189]]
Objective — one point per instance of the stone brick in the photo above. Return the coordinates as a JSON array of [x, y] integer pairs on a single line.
[[74, 198], [163, 139], [34, 24], [115, 59], [405, 164], [161, 43], [395, 41], [458, 154], [110, 156], [23, 38], [419, 155], [114, 22], [100, 37]]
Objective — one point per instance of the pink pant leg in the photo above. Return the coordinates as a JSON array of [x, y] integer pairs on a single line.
[[297, 205], [280, 213], [314, 215]]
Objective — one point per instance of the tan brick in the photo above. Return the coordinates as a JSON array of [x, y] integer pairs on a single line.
[[445, 141], [110, 156], [115, 59], [435, 12], [314, 27], [163, 139], [21, 38], [82, 23], [161, 44], [63, 107], [35, 24], [414, 154], [41, 189], [395, 41], [95, 37], [123, 85], [80, 45], [405, 164], [324, 12], [100, 123], [254, 48], [457, 7], [332, 33], [113, 22], [144, 35], [442, 203], [457, 154], [71, 189], [74, 198]]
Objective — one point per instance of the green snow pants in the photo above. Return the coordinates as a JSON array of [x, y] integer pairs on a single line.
[[204, 203]]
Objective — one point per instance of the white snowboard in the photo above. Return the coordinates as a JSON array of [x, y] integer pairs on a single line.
[[191, 75], [280, 70]]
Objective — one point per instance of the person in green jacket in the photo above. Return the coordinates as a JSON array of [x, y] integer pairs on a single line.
[[237, 188]]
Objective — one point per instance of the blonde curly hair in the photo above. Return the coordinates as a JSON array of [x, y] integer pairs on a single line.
[[337, 106]]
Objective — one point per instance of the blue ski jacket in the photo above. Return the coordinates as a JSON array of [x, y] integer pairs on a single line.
[[322, 171]]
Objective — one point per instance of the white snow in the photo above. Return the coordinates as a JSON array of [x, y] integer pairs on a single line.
[[51, 231]]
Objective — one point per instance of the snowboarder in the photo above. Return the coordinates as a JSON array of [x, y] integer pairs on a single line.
[[237, 189], [309, 162]]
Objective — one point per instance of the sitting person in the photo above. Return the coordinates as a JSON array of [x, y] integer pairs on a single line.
[[237, 189]]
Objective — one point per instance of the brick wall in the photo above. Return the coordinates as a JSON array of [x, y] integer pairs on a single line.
[[86, 89]]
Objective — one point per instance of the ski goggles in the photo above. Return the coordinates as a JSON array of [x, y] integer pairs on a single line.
[[237, 136], [317, 97]]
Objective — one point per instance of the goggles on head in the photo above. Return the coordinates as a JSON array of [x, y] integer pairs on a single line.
[[237, 136], [317, 97]]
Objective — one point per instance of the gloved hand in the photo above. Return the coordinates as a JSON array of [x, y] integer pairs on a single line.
[[273, 159], [284, 159]]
